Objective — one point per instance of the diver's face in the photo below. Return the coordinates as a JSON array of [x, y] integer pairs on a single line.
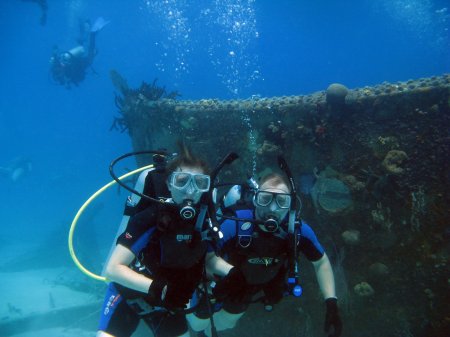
[[188, 183], [267, 206]]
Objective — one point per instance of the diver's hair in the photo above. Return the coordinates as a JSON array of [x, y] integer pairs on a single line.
[[275, 179], [185, 157]]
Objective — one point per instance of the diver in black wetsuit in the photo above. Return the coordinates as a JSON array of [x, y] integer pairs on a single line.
[[254, 257], [69, 67], [158, 261]]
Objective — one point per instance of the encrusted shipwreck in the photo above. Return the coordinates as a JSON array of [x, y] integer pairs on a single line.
[[385, 153]]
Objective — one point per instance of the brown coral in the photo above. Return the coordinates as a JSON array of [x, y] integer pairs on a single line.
[[268, 147], [336, 93], [393, 160], [353, 183]]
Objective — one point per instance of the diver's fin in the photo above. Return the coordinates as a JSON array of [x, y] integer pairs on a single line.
[[98, 24]]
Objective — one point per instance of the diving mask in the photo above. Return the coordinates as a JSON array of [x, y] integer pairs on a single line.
[[265, 198], [182, 181]]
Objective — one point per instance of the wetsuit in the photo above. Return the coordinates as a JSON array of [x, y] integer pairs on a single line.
[[262, 257], [166, 247], [70, 67]]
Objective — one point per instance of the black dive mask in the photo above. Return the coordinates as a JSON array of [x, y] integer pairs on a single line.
[[187, 210]]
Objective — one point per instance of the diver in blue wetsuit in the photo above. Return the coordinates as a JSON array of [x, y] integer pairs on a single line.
[[69, 67], [159, 258], [256, 255]]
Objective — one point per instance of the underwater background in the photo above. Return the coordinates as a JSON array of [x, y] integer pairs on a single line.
[[57, 143]]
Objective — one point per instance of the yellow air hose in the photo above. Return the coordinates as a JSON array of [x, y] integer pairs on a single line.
[[78, 215]]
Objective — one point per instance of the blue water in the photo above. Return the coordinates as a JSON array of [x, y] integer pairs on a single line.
[[210, 49], [203, 49]]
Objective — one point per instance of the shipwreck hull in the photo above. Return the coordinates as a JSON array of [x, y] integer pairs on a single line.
[[388, 144]]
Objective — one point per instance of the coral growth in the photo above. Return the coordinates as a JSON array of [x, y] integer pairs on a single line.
[[393, 160], [378, 269], [418, 208], [382, 216], [363, 289], [354, 184], [132, 101], [336, 94], [382, 145], [351, 237], [268, 147]]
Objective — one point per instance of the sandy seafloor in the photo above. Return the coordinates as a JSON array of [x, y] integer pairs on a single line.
[[34, 303], [40, 299], [60, 301]]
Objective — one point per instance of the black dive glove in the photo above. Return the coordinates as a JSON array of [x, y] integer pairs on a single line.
[[232, 286], [332, 318], [163, 293]]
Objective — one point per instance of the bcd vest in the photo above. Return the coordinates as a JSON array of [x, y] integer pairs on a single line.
[[259, 255]]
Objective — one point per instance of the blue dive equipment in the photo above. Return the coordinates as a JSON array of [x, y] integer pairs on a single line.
[[293, 282], [293, 234]]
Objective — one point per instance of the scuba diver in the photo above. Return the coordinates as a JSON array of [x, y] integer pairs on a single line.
[[261, 236], [69, 67], [159, 259]]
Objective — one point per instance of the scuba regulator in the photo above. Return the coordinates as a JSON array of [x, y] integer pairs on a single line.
[[187, 210]]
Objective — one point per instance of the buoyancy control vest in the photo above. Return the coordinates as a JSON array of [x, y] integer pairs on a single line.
[[259, 255], [175, 243], [172, 247]]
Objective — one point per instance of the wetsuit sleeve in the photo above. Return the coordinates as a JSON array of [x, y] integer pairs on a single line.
[[309, 245], [138, 231]]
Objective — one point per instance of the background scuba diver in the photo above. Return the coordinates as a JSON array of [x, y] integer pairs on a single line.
[[159, 259], [254, 257], [69, 67]]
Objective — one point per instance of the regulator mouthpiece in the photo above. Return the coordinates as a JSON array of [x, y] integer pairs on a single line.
[[271, 225], [187, 210]]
